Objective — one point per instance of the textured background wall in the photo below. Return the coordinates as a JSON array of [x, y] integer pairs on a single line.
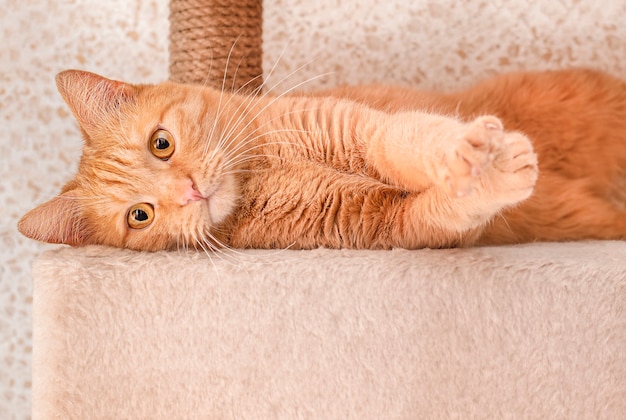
[[430, 43], [439, 43]]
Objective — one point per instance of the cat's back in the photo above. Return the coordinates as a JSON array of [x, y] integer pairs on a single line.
[[575, 87], [573, 91]]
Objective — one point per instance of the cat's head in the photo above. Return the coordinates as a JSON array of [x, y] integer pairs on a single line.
[[153, 173]]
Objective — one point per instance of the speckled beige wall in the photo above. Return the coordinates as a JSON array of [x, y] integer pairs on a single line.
[[439, 43], [431, 43]]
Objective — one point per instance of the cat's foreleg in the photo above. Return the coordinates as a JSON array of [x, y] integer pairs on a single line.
[[465, 172]]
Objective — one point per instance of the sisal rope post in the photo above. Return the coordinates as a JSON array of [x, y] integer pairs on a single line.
[[217, 43]]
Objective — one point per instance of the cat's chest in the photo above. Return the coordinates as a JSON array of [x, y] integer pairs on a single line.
[[300, 205], [284, 185]]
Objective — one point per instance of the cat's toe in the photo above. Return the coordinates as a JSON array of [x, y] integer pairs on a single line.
[[516, 154], [515, 168], [472, 155]]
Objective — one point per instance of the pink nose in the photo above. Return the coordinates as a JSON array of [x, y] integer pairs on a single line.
[[190, 193]]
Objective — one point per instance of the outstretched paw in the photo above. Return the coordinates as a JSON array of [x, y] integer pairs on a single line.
[[473, 153]]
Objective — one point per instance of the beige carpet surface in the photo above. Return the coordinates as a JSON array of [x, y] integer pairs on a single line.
[[532, 331]]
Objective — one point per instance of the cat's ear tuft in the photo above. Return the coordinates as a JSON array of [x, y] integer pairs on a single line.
[[91, 97], [56, 221]]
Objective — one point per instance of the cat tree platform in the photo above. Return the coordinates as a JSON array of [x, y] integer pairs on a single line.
[[529, 331]]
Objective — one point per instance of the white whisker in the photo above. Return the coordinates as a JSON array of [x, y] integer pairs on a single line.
[[253, 139], [265, 107], [243, 142], [221, 94]]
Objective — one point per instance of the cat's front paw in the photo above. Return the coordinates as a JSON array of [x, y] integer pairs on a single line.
[[514, 170], [501, 165], [475, 146]]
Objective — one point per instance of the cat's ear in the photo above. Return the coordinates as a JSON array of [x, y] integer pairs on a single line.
[[57, 221], [92, 97]]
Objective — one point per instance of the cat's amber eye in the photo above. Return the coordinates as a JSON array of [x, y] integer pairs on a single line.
[[140, 215], [162, 144]]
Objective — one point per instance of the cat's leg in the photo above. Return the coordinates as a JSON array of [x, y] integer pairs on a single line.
[[465, 173]]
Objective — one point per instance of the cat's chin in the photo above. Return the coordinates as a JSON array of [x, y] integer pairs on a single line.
[[222, 200]]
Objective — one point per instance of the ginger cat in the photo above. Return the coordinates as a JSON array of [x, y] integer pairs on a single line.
[[175, 166]]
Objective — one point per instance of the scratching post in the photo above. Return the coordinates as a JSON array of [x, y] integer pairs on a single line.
[[216, 42]]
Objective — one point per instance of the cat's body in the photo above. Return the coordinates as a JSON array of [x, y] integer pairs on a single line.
[[576, 120], [409, 169]]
